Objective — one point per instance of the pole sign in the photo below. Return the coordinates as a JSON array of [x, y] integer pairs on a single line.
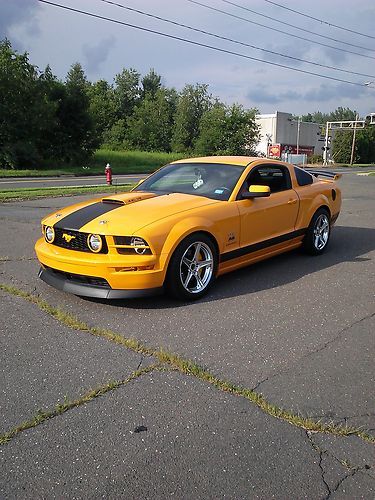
[[274, 151]]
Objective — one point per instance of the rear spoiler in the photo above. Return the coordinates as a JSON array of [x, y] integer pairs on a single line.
[[323, 173]]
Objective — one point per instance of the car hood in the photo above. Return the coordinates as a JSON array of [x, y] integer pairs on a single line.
[[126, 213]]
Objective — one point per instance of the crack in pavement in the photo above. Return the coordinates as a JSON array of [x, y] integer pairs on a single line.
[[320, 465], [20, 259], [140, 363], [313, 352], [352, 470], [44, 415]]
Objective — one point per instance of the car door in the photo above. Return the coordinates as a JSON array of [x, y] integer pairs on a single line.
[[269, 218]]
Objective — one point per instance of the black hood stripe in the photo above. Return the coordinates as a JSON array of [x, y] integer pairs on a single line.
[[78, 219]]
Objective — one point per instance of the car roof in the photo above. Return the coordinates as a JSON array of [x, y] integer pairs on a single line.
[[229, 160]]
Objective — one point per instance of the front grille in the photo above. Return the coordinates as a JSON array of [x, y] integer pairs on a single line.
[[80, 278], [77, 242]]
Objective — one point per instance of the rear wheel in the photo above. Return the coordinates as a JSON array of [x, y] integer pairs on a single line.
[[192, 267], [318, 233]]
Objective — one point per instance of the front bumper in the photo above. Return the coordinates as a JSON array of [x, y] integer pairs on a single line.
[[72, 285], [99, 275]]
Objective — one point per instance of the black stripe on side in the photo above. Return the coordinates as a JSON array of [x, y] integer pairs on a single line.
[[239, 252], [78, 219]]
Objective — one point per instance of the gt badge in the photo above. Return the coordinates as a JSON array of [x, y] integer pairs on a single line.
[[68, 237]]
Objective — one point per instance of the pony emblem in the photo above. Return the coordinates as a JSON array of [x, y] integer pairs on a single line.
[[68, 237]]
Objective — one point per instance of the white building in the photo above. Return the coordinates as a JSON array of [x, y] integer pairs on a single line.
[[281, 134]]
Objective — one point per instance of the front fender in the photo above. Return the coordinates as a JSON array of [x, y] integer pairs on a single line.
[[183, 229]]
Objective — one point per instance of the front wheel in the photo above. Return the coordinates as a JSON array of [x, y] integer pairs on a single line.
[[192, 268], [318, 233]]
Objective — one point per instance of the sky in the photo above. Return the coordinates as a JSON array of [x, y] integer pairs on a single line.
[[60, 38]]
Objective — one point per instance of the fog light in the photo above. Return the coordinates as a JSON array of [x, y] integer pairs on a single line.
[[138, 242]]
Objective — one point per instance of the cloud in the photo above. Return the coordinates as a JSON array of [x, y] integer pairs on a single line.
[[18, 12], [298, 50], [263, 96], [326, 92], [95, 55], [337, 56], [322, 94]]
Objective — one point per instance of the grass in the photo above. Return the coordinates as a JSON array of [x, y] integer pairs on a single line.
[[21, 194], [183, 366], [122, 162]]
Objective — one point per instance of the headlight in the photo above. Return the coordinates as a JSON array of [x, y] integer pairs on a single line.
[[136, 241], [94, 242], [49, 234]]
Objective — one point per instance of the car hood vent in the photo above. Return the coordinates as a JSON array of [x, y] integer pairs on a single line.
[[113, 202], [127, 198]]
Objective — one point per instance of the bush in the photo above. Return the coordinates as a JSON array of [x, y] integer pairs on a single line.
[[315, 159]]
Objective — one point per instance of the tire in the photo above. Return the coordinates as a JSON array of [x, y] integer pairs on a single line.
[[318, 233], [187, 277]]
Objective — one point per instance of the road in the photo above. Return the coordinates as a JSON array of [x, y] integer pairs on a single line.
[[37, 182], [297, 329]]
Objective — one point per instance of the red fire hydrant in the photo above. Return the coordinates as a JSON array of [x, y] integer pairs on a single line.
[[108, 174]]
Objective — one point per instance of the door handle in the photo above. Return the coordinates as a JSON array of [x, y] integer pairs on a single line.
[[292, 202]]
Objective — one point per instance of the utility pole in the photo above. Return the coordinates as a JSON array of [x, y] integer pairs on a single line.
[[345, 125], [298, 131], [353, 142], [325, 152]]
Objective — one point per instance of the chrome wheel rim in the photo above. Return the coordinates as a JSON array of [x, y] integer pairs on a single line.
[[196, 267], [321, 232]]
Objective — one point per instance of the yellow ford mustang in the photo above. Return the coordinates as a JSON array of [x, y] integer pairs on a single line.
[[187, 223]]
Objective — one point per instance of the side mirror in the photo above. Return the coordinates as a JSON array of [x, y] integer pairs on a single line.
[[256, 191]]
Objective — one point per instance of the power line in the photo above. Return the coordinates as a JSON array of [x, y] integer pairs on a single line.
[[153, 16], [279, 31], [284, 23], [199, 44], [320, 20]]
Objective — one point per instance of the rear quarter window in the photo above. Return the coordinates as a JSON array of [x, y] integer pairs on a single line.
[[303, 177]]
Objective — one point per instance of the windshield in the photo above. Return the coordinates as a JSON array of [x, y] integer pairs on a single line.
[[212, 180]]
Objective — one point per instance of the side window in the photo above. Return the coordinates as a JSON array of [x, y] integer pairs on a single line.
[[274, 176], [303, 177]]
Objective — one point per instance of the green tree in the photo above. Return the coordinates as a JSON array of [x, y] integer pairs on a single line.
[[337, 115], [20, 108], [365, 150], [102, 107], [227, 130], [151, 83], [75, 118], [150, 127], [126, 93], [51, 140], [342, 146], [192, 103]]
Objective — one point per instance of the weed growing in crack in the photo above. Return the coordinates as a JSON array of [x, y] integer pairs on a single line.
[[43, 415]]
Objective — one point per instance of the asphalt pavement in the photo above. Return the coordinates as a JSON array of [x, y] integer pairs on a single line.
[[298, 329]]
